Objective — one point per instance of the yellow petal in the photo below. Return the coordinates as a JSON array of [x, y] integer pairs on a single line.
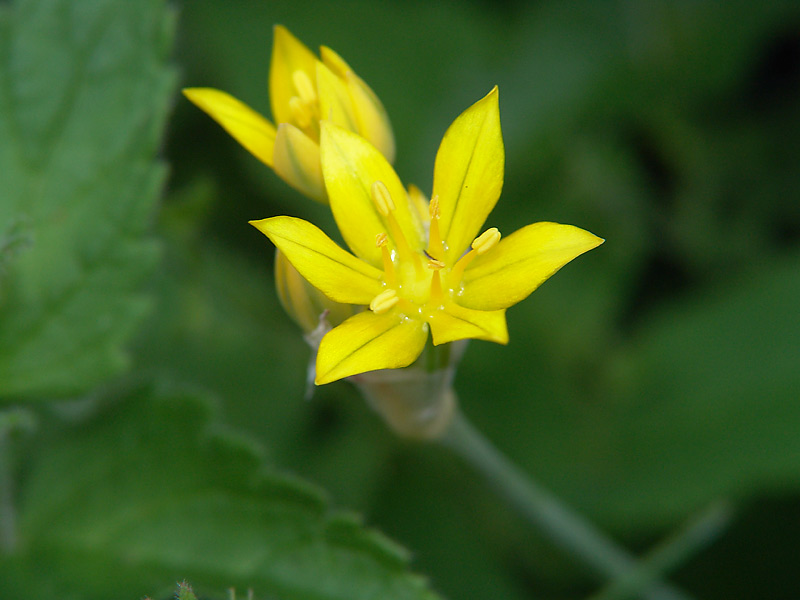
[[370, 118], [521, 262], [302, 301], [246, 126], [373, 122], [296, 161], [350, 165], [468, 174], [455, 322], [334, 62], [288, 55], [367, 342], [334, 271], [335, 104]]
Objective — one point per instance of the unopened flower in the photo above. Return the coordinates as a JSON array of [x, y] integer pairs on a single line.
[[303, 90], [419, 270]]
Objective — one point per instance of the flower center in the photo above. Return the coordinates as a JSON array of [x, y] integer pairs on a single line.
[[419, 283]]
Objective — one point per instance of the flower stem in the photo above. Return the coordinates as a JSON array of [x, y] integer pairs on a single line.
[[698, 533], [565, 528]]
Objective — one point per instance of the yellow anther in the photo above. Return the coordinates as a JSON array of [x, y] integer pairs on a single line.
[[384, 301], [486, 241], [381, 239], [301, 113], [304, 87], [382, 198], [434, 207], [435, 265]]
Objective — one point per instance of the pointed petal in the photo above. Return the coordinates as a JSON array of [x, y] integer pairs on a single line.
[[455, 322], [246, 126], [302, 301], [335, 104], [521, 262], [372, 122], [288, 55], [350, 165], [468, 174], [332, 270], [367, 342], [296, 161]]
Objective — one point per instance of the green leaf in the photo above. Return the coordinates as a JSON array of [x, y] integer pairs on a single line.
[[147, 494], [85, 91]]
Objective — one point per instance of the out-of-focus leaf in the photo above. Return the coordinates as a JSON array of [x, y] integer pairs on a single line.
[[85, 90], [146, 494]]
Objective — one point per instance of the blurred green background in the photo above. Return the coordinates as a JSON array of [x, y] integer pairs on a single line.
[[648, 379]]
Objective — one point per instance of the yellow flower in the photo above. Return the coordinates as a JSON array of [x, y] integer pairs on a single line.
[[419, 272], [303, 89]]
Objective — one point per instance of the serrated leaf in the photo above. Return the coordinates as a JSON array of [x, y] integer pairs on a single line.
[[147, 494], [85, 89]]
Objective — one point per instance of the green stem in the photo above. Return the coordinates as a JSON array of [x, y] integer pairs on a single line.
[[568, 530], [698, 533]]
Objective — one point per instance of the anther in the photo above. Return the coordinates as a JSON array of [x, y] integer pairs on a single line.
[[433, 208], [384, 301], [486, 241], [435, 265], [481, 245], [381, 239], [304, 87], [382, 198], [300, 112]]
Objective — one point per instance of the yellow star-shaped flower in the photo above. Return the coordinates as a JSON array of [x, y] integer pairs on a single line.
[[419, 266], [303, 89]]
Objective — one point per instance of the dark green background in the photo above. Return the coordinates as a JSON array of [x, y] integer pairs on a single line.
[[655, 374]]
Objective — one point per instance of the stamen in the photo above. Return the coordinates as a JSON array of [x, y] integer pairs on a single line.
[[434, 236], [435, 265], [486, 241], [381, 241], [382, 198], [481, 245], [433, 208], [301, 114], [437, 295], [384, 301], [304, 87], [386, 207]]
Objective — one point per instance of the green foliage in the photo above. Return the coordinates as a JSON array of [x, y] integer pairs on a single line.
[[85, 91], [150, 490]]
